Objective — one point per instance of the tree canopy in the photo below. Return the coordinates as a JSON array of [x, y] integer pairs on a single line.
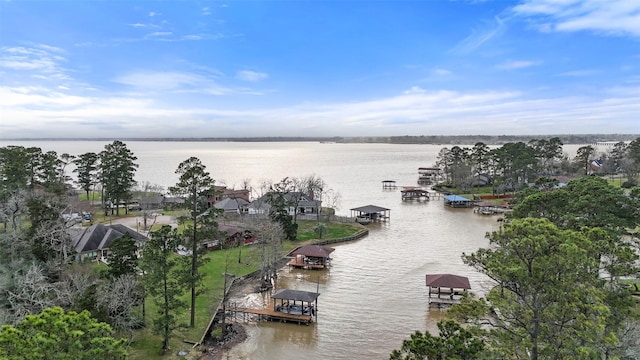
[[59, 335]]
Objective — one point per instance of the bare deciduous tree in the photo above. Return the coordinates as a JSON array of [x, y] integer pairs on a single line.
[[118, 297], [31, 293]]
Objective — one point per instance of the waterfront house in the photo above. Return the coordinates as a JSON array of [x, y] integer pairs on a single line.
[[296, 203]]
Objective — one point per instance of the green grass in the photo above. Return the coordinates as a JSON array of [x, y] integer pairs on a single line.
[[146, 345], [306, 230], [93, 195]]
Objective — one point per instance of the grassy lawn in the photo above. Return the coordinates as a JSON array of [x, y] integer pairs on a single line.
[[146, 345], [306, 230]]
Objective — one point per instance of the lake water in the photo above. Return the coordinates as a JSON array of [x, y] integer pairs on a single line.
[[374, 295]]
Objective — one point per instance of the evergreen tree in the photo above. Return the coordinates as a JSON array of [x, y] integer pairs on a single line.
[[164, 280], [123, 259], [118, 167], [195, 185], [56, 334], [86, 167]]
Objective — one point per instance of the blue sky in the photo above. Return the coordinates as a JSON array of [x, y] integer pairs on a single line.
[[83, 69]]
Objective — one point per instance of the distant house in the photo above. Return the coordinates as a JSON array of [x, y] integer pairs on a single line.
[[232, 205], [482, 180], [297, 203], [155, 202], [231, 236], [595, 166], [93, 243], [221, 193]]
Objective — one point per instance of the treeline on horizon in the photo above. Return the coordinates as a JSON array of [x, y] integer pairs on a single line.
[[406, 139]]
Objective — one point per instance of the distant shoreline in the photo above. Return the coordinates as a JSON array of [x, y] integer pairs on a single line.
[[428, 140]]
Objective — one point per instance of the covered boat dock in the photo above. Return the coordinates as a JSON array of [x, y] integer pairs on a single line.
[[311, 257], [389, 184], [446, 289], [370, 213], [414, 193], [457, 201], [287, 306]]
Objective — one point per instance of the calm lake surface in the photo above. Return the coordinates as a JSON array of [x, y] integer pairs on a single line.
[[374, 295]]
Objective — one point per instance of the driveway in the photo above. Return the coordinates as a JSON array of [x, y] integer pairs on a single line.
[[136, 222]]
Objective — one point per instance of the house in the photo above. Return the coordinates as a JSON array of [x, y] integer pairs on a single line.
[[221, 193], [297, 203], [232, 205], [482, 180], [595, 167], [231, 236], [92, 243], [154, 202]]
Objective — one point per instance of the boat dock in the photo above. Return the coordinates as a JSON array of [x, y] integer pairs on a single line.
[[269, 314], [389, 184], [287, 306]]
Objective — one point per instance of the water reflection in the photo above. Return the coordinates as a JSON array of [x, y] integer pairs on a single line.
[[319, 276]]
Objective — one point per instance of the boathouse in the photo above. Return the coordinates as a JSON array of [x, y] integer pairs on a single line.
[[488, 208], [311, 257], [388, 184], [414, 193], [428, 175], [370, 213], [457, 201], [446, 289], [296, 302], [286, 306]]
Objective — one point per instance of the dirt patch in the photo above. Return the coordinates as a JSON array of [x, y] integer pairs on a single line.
[[215, 348]]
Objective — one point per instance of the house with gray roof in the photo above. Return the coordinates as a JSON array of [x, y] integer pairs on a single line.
[[232, 205], [298, 204], [92, 243]]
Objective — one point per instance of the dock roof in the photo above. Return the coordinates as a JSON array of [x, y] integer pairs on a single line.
[[370, 209], [448, 281], [296, 295], [456, 198], [313, 251]]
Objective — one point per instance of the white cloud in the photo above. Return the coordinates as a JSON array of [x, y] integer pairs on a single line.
[[479, 36], [441, 72], [612, 17], [38, 112], [252, 76], [153, 13], [415, 90], [516, 64], [579, 73], [160, 81], [176, 82], [39, 61], [160, 33]]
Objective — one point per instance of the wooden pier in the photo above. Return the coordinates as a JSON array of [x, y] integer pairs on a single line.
[[268, 314], [287, 305]]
